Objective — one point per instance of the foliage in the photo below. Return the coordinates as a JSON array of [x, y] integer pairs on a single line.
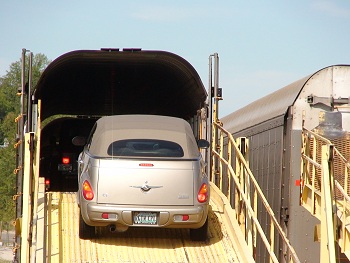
[[11, 82], [7, 162], [9, 110]]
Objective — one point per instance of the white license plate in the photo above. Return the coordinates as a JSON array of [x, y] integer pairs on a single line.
[[145, 218]]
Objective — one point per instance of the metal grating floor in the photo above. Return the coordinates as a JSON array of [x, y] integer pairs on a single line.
[[141, 245]]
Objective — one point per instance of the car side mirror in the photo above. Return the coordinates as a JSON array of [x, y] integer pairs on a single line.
[[203, 144], [79, 141]]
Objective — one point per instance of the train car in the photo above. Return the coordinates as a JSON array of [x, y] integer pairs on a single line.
[[273, 125], [74, 91]]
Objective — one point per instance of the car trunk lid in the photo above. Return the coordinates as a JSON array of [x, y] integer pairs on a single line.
[[145, 182]]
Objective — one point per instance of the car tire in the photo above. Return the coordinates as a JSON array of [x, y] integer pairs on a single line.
[[200, 234], [85, 231]]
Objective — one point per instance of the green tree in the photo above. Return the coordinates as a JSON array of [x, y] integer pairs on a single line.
[[7, 176], [10, 83], [9, 110]]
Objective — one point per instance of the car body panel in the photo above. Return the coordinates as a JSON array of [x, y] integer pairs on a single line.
[[144, 185]]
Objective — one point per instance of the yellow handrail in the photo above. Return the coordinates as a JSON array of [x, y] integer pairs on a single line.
[[244, 180], [322, 192]]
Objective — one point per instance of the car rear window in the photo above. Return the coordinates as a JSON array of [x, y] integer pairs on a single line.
[[145, 148]]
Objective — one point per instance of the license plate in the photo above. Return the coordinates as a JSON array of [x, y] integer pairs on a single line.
[[65, 167], [145, 218]]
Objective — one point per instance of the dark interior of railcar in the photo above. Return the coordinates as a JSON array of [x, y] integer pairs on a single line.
[[58, 155]]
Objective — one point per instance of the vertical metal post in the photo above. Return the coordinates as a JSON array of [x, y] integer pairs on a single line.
[[215, 116], [216, 87], [214, 112], [26, 200], [29, 97], [19, 160], [210, 119]]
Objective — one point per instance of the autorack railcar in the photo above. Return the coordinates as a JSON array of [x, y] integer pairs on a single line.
[[81, 86], [273, 126]]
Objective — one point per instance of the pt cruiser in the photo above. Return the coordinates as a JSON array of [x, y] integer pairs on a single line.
[[142, 171]]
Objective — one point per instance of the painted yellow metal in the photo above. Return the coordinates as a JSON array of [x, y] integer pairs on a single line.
[[247, 200], [28, 231], [38, 193], [229, 219], [141, 244], [27, 202], [54, 226], [29, 194], [39, 230], [327, 203], [324, 196]]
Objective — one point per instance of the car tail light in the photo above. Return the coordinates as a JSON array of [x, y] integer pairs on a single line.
[[185, 217], [47, 184], [202, 196], [87, 191], [65, 160], [181, 218]]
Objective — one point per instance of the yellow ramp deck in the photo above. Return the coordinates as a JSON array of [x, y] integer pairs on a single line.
[[62, 243]]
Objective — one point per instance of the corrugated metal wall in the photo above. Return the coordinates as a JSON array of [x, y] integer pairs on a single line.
[[266, 150]]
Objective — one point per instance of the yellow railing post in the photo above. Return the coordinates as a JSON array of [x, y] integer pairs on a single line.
[[327, 224], [221, 156], [272, 237], [238, 182], [229, 175], [344, 212], [27, 205]]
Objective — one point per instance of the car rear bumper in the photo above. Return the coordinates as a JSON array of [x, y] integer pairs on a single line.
[[169, 217]]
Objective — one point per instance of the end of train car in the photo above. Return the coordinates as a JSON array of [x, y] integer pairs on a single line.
[[273, 125]]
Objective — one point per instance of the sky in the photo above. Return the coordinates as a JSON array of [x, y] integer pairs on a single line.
[[262, 45]]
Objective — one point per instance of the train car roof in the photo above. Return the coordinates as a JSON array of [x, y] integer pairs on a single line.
[[268, 107], [110, 82]]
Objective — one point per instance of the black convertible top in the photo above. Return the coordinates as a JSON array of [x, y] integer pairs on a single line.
[[109, 82]]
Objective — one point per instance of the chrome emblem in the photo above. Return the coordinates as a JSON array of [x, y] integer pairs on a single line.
[[145, 187]]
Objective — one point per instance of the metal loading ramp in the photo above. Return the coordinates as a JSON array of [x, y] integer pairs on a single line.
[[62, 243]]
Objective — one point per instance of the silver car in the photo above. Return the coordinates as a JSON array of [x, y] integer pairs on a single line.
[[142, 171]]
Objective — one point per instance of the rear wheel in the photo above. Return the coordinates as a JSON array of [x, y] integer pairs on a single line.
[[85, 231], [200, 234]]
